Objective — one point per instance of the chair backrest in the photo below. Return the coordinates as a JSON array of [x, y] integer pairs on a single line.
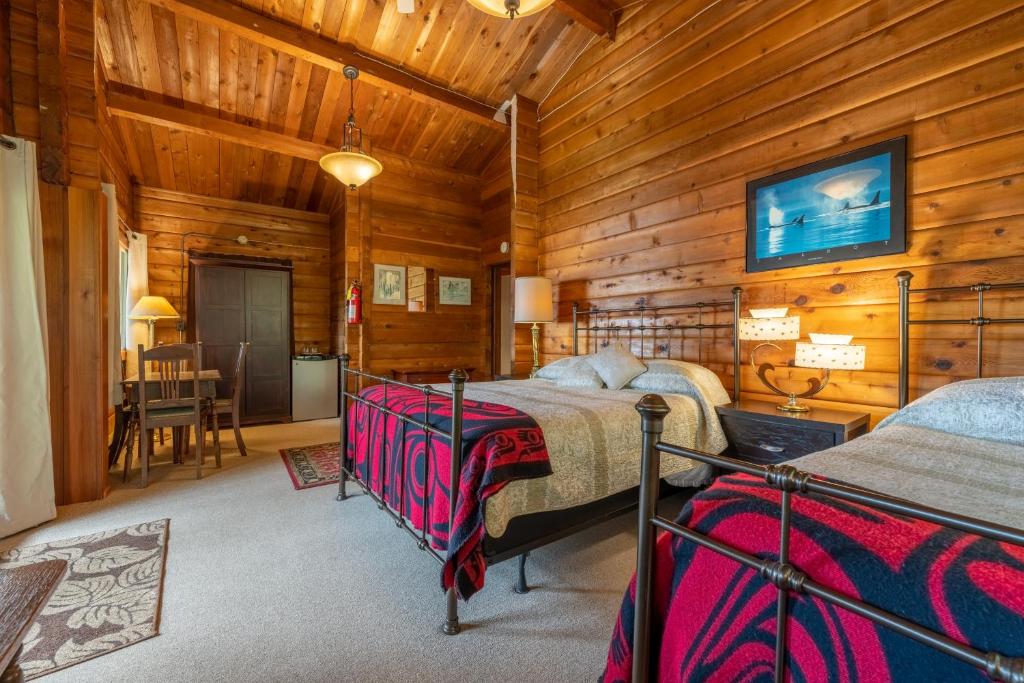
[[236, 381], [168, 364]]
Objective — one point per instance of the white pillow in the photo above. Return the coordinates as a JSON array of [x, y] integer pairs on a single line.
[[579, 373], [616, 366], [666, 376], [554, 370]]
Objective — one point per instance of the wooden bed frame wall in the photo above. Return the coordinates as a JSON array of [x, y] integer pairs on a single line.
[[785, 576], [528, 532]]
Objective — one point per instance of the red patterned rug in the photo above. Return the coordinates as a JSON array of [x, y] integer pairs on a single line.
[[310, 466]]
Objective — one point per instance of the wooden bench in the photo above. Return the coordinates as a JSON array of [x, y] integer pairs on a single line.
[[24, 592]]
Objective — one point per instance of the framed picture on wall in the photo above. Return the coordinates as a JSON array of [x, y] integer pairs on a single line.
[[455, 291], [389, 284], [846, 207]]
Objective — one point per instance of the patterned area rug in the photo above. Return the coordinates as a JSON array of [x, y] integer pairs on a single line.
[[310, 466], [109, 598]]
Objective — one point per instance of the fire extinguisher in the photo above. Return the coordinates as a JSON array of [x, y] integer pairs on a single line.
[[354, 303]]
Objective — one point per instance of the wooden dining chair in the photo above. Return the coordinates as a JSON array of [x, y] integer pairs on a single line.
[[177, 402], [233, 405]]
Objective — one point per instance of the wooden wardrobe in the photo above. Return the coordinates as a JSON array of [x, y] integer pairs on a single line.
[[237, 300]]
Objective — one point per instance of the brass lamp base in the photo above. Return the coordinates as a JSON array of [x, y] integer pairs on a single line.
[[792, 406], [535, 334]]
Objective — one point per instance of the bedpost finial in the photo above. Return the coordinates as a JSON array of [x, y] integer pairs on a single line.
[[575, 306], [345, 359], [652, 407], [904, 277], [737, 290], [458, 376]]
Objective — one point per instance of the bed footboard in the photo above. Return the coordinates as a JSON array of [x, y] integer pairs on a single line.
[[782, 573], [458, 379]]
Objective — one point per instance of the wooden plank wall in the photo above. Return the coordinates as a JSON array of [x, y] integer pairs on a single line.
[[647, 144], [418, 214], [300, 236]]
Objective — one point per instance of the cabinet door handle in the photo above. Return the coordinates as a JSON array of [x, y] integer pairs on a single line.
[[770, 448]]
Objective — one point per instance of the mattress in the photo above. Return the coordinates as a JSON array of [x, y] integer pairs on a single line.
[[593, 441], [974, 477]]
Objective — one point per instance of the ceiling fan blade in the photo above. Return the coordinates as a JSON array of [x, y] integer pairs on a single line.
[[406, 6]]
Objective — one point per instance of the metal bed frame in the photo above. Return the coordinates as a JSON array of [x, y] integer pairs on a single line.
[[780, 572], [527, 532]]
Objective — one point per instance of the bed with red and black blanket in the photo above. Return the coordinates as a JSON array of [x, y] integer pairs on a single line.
[[961, 451]]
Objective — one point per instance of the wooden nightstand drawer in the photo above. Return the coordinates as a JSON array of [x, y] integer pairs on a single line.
[[760, 433], [765, 442]]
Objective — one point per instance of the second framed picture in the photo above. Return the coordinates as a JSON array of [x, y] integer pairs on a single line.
[[388, 284], [455, 291]]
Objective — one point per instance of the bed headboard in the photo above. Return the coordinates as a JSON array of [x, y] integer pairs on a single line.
[[654, 327], [980, 322]]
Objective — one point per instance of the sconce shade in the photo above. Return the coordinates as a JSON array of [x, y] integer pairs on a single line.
[[534, 300], [151, 308], [498, 8], [830, 356], [770, 329]]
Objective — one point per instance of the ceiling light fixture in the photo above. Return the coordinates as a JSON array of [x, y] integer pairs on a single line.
[[511, 8], [351, 165]]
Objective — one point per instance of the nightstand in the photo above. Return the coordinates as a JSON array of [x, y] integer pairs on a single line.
[[760, 433]]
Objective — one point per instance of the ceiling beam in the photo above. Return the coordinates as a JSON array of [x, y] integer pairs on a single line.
[[303, 44], [176, 118], [594, 14]]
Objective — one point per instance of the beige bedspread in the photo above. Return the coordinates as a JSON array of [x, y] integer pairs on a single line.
[[593, 440]]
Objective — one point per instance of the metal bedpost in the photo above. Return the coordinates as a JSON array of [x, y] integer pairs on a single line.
[[903, 388], [652, 409], [458, 379], [575, 328], [343, 440], [737, 293]]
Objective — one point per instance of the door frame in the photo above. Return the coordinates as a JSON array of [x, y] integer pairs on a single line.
[[498, 270]]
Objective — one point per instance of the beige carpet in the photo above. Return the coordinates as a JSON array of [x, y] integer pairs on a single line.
[[267, 583]]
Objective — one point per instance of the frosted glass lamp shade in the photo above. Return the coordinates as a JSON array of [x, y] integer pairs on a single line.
[[830, 356], [770, 329], [152, 308], [497, 8], [534, 300], [351, 168]]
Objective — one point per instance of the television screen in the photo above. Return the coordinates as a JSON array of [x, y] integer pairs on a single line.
[[845, 207]]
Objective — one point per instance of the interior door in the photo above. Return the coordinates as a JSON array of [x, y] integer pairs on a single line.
[[268, 330], [220, 319]]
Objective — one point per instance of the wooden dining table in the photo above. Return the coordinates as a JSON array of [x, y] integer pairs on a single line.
[[207, 389]]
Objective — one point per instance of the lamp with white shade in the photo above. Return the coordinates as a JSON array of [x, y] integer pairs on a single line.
[[534, 303], [824, 352], [151, 309]]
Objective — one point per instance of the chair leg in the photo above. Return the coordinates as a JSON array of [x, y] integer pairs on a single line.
[[200, 438], [235, 420], [214, 424], [145, 444], [129, 439]]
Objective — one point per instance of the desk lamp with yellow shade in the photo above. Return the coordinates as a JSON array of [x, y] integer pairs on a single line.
[[151, 309], [824, 352]]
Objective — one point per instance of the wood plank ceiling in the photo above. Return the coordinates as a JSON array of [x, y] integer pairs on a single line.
[[180, 61]]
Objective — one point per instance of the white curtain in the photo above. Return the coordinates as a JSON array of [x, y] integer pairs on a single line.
[[137, 331], [26, 453]]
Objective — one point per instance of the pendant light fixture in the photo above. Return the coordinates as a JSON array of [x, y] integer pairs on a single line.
[[511, 8], [351, 165]]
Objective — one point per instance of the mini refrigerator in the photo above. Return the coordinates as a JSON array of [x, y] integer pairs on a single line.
[[314, 387]]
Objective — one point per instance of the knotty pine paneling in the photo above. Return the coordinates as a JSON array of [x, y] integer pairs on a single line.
[[647, 143], [211, 225], [423, 215]]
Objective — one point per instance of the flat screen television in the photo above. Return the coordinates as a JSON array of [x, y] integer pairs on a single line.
[[846, 207]]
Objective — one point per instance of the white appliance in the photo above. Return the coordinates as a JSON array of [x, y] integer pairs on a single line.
[[314, 387]]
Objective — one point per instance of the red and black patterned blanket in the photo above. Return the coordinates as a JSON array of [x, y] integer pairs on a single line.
[[714, 620], [411, 468]]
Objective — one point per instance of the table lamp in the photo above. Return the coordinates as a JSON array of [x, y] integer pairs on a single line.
[[534, 303], [151, 309], [824, 352]]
